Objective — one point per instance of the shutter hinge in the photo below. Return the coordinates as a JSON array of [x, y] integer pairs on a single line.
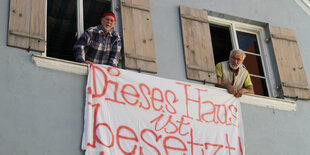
[[117, 8], [267, 40]]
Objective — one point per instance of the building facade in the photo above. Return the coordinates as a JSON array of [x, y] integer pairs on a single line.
[[43, 90]]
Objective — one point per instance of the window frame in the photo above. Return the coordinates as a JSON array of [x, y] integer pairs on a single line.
[[130, 58], [260, 33], [80, 17], [41, 59], [80, 20]]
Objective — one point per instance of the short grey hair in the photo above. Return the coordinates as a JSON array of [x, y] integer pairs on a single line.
[[237, 51]]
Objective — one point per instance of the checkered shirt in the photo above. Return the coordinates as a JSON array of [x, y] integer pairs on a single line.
[[94, 46]]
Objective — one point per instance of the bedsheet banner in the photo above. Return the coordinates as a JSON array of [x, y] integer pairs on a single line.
[[134, 113]]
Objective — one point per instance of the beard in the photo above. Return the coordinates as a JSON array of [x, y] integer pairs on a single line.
[[234, 67], [107, 28]]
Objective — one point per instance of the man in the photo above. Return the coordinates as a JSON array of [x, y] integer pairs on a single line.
[[233, 76], [99, 44]]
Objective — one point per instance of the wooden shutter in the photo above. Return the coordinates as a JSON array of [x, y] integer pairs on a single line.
[[138, 35], [291, 70], [197, 45], [27, 24]]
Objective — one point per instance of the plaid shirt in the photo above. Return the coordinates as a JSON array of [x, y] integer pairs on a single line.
[[94, 46]]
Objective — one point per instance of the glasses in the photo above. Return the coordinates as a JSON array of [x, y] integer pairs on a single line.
[[234, 58]]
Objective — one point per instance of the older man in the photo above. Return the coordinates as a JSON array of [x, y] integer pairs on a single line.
[[99, 44], [233, 76]]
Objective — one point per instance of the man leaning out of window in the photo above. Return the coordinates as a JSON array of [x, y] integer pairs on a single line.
[[100, 44], [233, 76]]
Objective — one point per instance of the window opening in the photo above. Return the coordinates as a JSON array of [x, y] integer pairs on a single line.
[[61, 28], [62, 24], [221, 42], [93, 10], [222, 45]]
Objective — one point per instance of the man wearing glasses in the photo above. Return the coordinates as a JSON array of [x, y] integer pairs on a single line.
[[233, 75]]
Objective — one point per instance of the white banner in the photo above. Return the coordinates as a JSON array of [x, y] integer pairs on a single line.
[[133, 113]]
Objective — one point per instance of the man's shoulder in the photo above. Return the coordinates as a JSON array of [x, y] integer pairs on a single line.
[[222, 64], [114, 32], [219, 64], [93, 29], [244, 68]]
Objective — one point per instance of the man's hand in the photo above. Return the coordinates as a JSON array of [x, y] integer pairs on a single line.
[[89, 62], [240, 92], [232, 90]]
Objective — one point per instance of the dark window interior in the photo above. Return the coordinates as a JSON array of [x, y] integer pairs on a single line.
[[221, 42], [62, 24]]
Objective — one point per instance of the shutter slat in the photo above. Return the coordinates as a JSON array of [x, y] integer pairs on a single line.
[[195, 18], [26, 35], [138, 35], [140, 57], [199, 68], [197, 45], [295, 85], [147, 9], [291, 71], [283, 37]]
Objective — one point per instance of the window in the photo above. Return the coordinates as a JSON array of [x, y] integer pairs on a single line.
[[224, 38], [52, 26], [208, 40], [62, 24]]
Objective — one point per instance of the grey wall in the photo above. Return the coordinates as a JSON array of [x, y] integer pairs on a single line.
[[41, 110]]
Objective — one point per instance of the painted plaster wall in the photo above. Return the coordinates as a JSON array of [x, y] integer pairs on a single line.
[[41, 110]]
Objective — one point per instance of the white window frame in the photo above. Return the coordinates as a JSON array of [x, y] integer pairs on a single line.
[[264, 52], [80, 17]]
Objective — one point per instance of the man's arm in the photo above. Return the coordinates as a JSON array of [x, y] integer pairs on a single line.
[[116, 50], [230, 88], [219, 83], [79, 47], [249, 90], [248, 87]]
